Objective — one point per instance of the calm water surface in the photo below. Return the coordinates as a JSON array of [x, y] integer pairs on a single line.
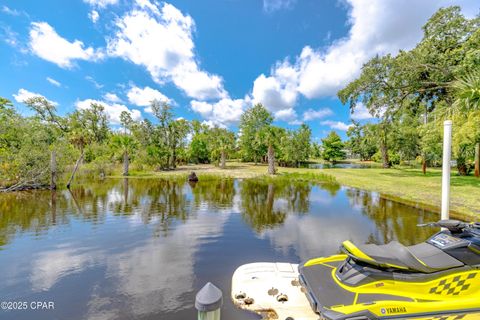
[[141, 249]]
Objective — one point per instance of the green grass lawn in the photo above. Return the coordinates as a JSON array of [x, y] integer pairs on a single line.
[[411, 186]]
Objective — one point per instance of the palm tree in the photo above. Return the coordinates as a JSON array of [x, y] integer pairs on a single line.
[[223, 142], [467, 99], [272, 135], [87, 126], [80, 137], [124, 144]]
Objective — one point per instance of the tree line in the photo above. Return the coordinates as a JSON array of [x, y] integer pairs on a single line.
[[413, 92], [410, 94], [29, 143]]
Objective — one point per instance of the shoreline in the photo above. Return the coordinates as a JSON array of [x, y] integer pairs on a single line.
[[405, 185]]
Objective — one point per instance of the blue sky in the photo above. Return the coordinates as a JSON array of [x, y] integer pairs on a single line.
[[210, 59]]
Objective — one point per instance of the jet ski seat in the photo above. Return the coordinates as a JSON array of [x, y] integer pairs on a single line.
[[423, 257]]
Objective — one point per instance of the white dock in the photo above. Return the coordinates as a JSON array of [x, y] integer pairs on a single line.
[[252, 290]]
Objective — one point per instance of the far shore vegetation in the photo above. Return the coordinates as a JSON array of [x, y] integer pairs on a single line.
[[410, 94]]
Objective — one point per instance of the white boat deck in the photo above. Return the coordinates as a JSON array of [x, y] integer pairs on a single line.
[[271, 290]]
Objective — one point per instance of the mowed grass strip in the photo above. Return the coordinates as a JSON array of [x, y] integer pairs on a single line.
[[412, 186]]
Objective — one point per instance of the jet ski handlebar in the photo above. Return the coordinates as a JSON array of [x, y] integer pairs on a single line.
[[453, 226]]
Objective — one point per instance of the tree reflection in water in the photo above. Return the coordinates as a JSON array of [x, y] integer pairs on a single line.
[[218, 193], [266, 203], [141, 248], [263, 204], [393, 220]]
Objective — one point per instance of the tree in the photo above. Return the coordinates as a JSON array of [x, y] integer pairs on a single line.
[[316, 151], [405, 138], [378, 95], [431, 144], [253, 127], [4, 103], [46, 110], [362, 140], [465, 137], [272, 136], [126, 120], [125, 142], [94, 119], [302, 138], [223, 142], [57, 127], [295, 146], [24, 149], [199, 148], [159, 150], [418, 79], [87, 126], [125, 145], [177, 132], [467, 101], [332, 147]]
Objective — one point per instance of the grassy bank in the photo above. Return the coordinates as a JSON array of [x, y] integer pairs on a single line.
[[411, 186]]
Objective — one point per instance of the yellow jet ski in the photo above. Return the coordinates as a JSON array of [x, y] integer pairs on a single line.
[[440, 276]]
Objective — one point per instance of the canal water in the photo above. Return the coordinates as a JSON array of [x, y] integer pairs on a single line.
[[141, 249]]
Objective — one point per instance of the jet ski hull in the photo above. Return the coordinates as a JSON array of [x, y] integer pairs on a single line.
[[450, 291]]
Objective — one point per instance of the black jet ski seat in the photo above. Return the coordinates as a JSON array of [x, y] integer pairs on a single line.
[[423, 257]]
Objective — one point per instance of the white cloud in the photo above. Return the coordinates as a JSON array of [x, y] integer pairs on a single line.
[[47, 44], [113, 110], [288, 115], [52, 266], [376, 27], [298, 233], [223, 112], [311, 114], [189, 137], [204, 108], [24, 94], [199, 84], [160, 39], [100, 3], [12, 12], [10, 37], [111, 97], [94, 15], [143, 97], [278, 91], [295, 122], [150, 294], [274, 5], [361, 112], [54, 82], [94, 82], [213, 124], [338, 125]]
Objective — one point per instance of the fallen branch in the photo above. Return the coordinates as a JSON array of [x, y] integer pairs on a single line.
[[77, 164], [27, 184]]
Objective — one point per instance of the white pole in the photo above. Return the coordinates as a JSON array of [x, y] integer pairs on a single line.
[[447, 147]]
